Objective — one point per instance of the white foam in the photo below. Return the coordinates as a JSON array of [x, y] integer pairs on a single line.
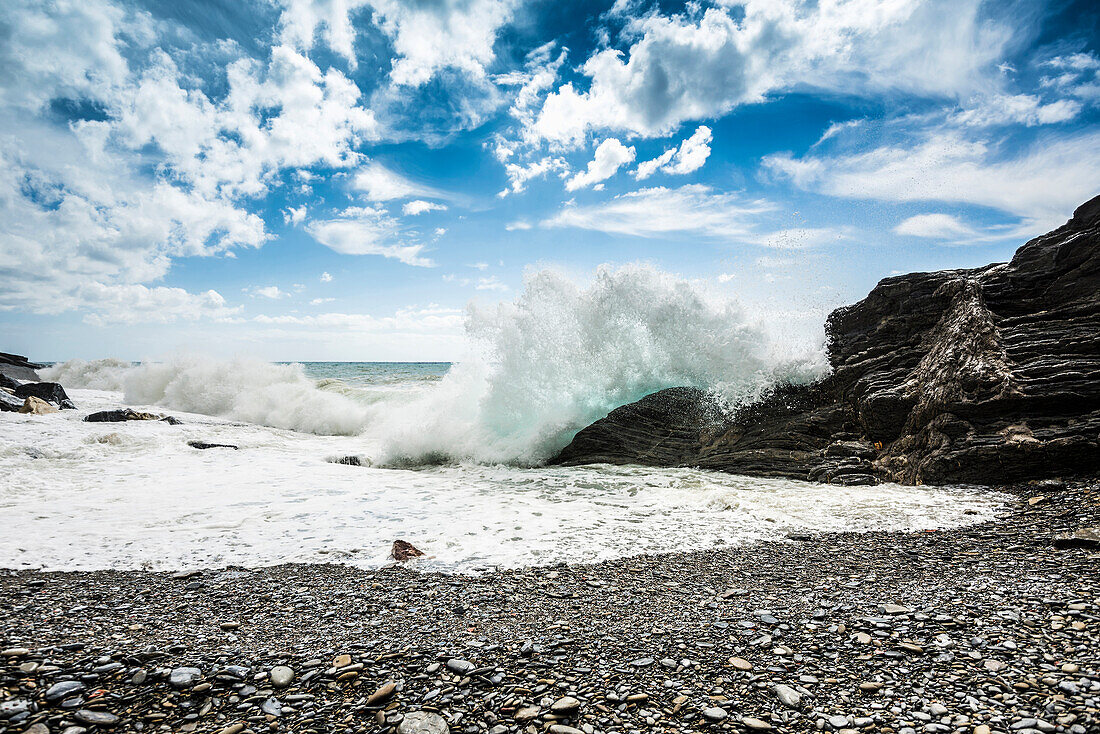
[[77, 495]]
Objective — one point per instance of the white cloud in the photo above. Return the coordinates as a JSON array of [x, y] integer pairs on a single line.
[[699, 65], [430, 36], [610, 155], [419, 206], [1018, 109], [379, 183], [661, 211], [135, 303], [159, 170], [326, 277], [294, 216], [319, 301], [367, 231], [268, 291], [517, 226], [304, 21], [1041, 183], [519, 175], [935, 226], [491, 283], [690, 156]]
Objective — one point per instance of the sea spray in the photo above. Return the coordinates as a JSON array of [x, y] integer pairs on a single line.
[[243, 389], [539, 368], [563, 355]]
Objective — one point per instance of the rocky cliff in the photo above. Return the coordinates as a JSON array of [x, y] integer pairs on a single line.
[[982, 376]]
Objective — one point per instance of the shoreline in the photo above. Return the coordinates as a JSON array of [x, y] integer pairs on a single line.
[[987, 625]]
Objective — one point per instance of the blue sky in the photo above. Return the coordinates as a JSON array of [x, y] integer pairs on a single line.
[[338, 179]]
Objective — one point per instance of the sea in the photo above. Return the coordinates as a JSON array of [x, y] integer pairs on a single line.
[[452, 459]]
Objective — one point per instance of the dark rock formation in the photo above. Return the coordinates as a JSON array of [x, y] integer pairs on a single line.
[[979, 376], [15, 367], [128, 414], [8, 402], [51, 392], [203, 445]]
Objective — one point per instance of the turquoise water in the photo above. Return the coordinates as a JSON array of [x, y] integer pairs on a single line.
[[366, 374]]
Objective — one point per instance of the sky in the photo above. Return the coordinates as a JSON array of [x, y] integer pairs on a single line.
[[340, 179]]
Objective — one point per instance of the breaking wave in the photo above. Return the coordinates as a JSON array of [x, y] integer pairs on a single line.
[[539, 368]]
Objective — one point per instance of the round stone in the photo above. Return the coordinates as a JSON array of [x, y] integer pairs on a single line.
[[565, 706], [281, 676], [98, 718], [422, 722], [714, 714]]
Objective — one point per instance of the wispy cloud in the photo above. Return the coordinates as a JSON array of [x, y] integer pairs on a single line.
[[652, 212]]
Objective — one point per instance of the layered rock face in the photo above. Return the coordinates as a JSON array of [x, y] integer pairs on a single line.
[[979, 376]]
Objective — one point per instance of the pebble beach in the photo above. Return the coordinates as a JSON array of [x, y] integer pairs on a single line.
[[989, 628]]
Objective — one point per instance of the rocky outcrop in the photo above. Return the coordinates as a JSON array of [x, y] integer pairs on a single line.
[[16, 367], [128, 414], [979, 376]]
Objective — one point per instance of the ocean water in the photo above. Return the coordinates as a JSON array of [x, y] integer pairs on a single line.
[[456, 453], [76, 495]]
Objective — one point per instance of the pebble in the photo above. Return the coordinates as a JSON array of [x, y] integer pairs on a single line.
[[423, 722], [281, 676], [715, 713]]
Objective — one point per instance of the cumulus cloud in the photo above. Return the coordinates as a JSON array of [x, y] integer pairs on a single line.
[[294, 216], [115, 161], [367, 231], [703, 64], [429, 36], [690, 156], [419, 206], [326, 277], [135, 303], [653, 212], [609, 157], [519, 175]]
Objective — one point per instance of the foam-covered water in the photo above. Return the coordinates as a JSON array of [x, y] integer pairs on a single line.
[[463, 446]]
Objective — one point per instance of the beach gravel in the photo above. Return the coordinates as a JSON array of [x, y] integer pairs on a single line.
[[982, 630]]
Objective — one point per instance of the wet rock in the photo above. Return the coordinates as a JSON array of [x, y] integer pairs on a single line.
[[203, 445], [404, 550], [127, 414], [51, 392], [962, 376]]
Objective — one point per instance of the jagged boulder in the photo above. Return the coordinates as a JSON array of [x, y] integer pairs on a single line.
[[51, 392], [985, 376]]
